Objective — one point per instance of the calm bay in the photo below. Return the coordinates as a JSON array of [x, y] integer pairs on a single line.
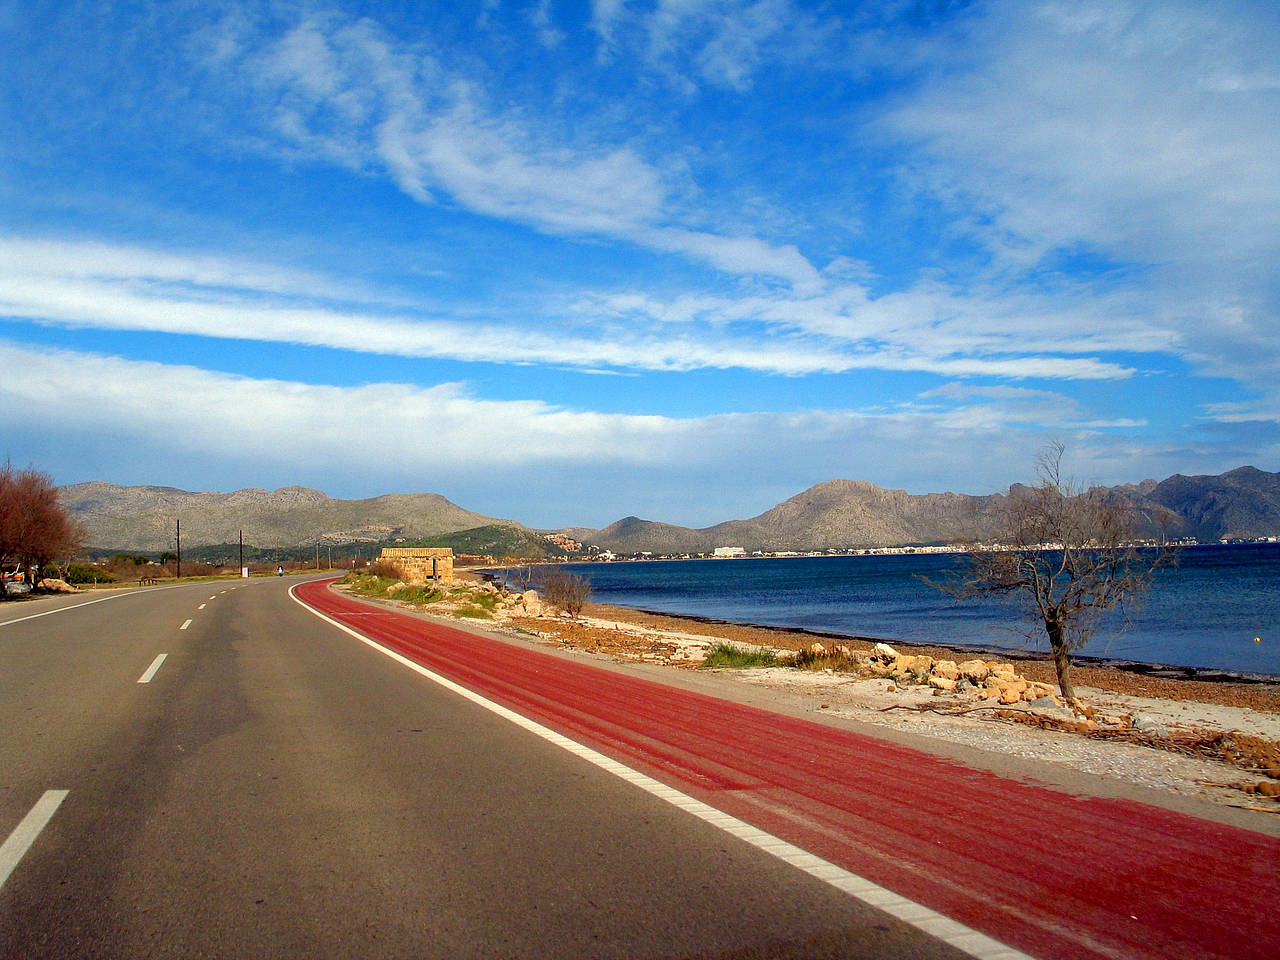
[[1206, 613]]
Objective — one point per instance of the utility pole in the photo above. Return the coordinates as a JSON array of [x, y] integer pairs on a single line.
[[178, 534], [242, 569]]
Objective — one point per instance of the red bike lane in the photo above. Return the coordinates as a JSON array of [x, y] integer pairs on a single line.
[[1039, 869]]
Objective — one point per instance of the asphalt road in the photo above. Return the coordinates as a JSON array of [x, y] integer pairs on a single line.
[[276, 788]]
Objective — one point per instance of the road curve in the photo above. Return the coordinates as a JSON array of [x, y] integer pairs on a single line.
[[1046, 872]]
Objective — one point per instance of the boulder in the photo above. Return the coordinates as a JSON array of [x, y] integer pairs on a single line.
[[1148, 725], [1008, 691], [1002, 670], [54, 585], [946, 669], [975, 671], [843, 650], [942, 684], [885, 652], [530, 603], [817, 650], [917, 666]]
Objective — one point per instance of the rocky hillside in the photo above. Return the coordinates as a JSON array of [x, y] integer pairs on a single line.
[[1244, 503], [839, 514], [142, 518]]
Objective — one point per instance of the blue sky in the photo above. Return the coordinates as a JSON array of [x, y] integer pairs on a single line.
[[564, 262]]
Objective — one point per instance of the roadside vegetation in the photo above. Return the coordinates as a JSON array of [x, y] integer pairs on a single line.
[[35, 529], [382, 580], [739, 658], [567, 591]]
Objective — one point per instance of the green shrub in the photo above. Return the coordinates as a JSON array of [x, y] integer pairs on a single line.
[[87, 573], [369, 585], [420, 596], [471, 610], [727, 655]]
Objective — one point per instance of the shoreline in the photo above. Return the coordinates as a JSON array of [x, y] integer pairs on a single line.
[[1261, 694], [1163, 670]]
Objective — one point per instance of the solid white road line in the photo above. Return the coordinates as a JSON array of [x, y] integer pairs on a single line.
[[151, 670], [924, 919], [185, 624], [74, 606], [24, 835]]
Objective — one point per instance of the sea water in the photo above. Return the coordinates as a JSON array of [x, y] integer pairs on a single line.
[[1205, 613]]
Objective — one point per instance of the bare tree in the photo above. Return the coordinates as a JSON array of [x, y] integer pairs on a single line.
[[1066, 555], [567, 591]]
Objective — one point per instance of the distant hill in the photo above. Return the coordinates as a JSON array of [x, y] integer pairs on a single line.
[[838, 514], [143, 518], [494, 540], [1243, 503], [843, 514]]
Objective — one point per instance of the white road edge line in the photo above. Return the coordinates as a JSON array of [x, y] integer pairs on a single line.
[[151, 670], [185, 624], [25, 833], [75, 606], [928, 921]]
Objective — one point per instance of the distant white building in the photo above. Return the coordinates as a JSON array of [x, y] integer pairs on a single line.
[[729, 552]]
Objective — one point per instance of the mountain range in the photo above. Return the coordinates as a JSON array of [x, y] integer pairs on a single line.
[[839, 514], [144, 519]]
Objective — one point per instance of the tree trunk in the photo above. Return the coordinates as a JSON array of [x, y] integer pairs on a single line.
[[1061, 662]]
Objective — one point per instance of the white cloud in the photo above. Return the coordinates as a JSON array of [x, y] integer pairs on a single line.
[[530, 460], [346, 93], [1134, 135], [131, 288], [549, 35]]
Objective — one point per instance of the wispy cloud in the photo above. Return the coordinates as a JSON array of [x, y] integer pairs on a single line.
[[158, 416], [345, 92], [130, 288], [1127, 134]]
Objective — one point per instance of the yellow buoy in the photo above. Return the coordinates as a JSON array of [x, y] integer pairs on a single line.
[[1257, 639]]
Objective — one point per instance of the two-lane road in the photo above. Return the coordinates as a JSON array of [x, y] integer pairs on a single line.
[[276, 789]]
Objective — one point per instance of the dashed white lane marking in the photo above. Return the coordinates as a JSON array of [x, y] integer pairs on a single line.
[[151, 670], [202, 606], [924, 919], [24, 835], [185, 624]]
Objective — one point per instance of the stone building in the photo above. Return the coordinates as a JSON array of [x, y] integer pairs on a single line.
[[418, 565]]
